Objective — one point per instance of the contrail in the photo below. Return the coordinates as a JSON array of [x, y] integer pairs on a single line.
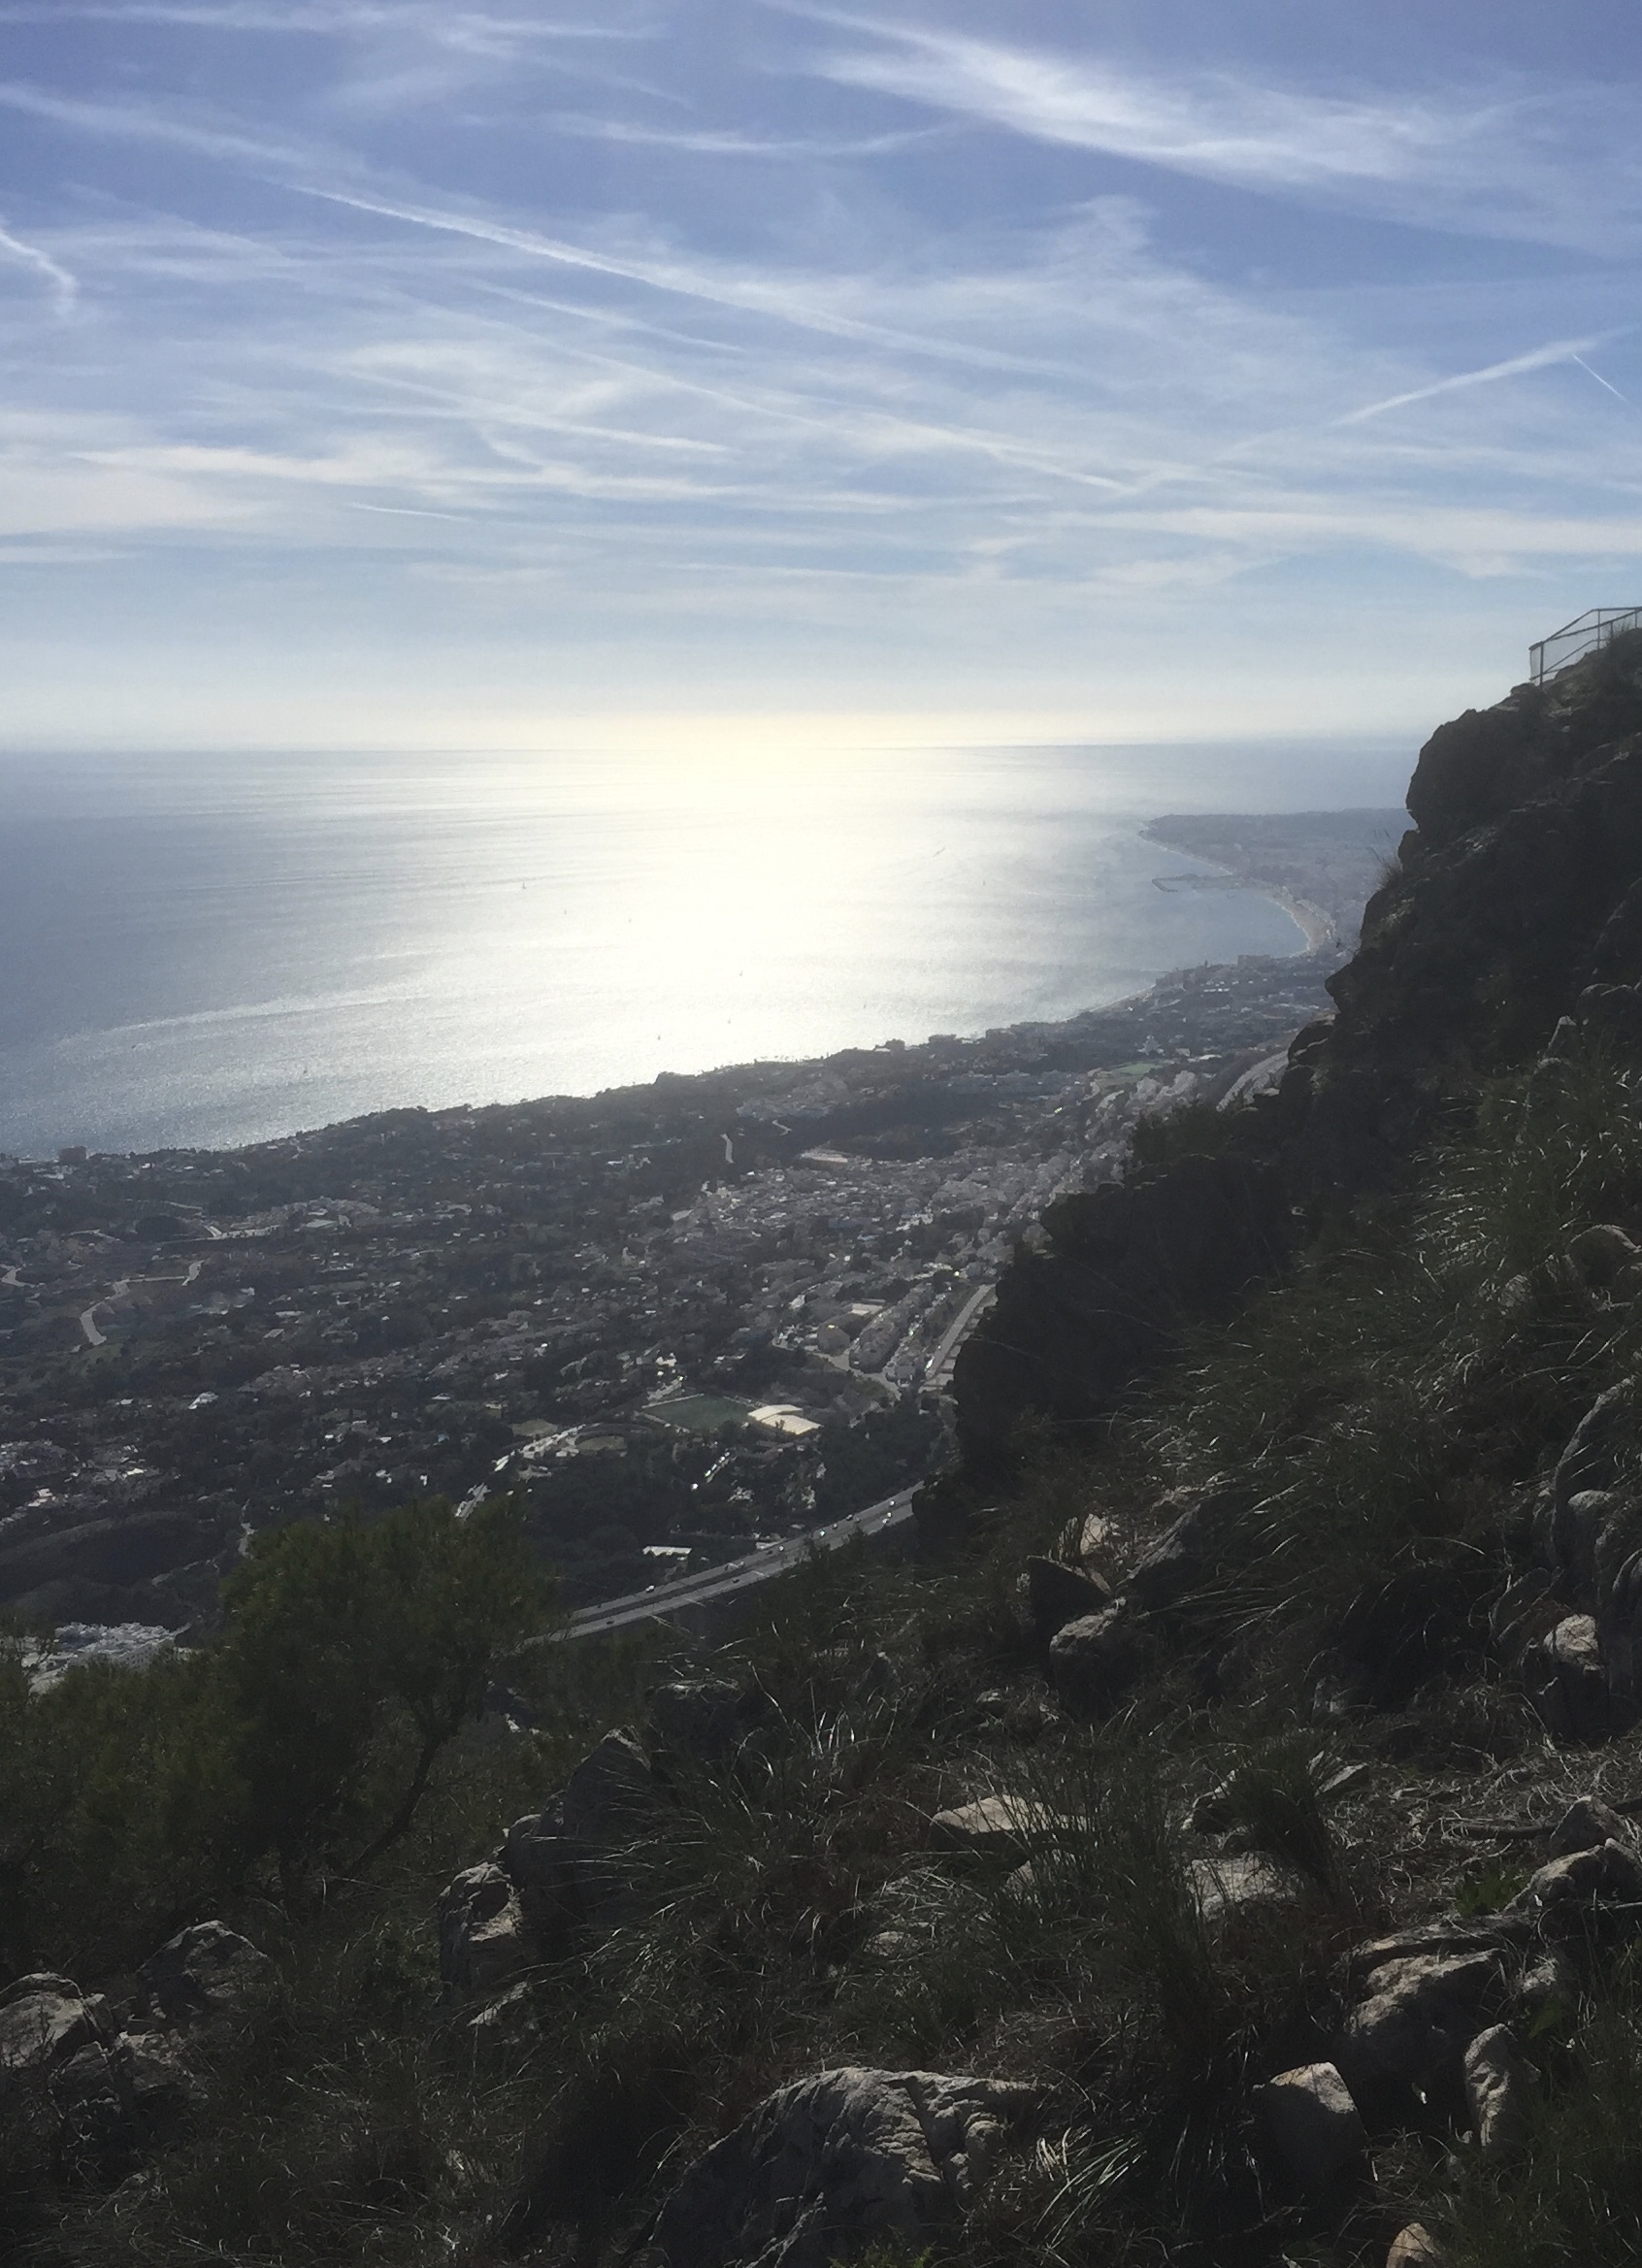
[[1542, 358], [1600, 379]]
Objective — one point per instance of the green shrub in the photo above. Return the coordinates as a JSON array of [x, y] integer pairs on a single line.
[[132, 1799]]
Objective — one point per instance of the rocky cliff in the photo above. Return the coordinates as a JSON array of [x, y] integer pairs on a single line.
[[1516, 901]]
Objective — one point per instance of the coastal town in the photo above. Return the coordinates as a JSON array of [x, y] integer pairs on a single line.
[[674, 1321]]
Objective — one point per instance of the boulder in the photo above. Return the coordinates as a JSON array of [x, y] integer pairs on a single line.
[[208, 1975], [1566, 1893], [834, 2164], [1586, 1825], [997, 1826], [1569, 1683], [1497, 1935], [1587, 1468], [1051, 1595], [1550, 1982], [1618, 1631], [91, 2100], [1178, 1561], [45, 2022], [550, 1874], [1619, 1537], [1497, 2090], [610, 1793], [155, 2083], [1415, 2246], [1086, 1541], [1094, 1661], [1420, 2014], [1241, 1881], [482, 1940], [1313, 2127]]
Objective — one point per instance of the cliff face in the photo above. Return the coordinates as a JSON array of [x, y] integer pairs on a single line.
[[1518, 890], [1519, 886]]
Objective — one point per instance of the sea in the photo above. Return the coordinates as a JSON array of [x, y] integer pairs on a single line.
[[200, 951]]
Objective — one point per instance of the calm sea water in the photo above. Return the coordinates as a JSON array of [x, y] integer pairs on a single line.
[[207, 951]]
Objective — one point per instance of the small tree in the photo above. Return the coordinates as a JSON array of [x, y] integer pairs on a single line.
[[450, 1597], [330, 1628]]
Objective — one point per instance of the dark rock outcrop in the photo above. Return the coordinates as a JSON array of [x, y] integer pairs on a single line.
[[1051, 1595], [483, 1944], [206, 1976], [831, 2165], [1516, 904], [1313, 2127], [1127, 1266]]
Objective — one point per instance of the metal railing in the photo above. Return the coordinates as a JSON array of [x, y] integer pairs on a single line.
[[1579, 637]]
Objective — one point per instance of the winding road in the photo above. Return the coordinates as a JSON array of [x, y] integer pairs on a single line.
[[121, 1285]]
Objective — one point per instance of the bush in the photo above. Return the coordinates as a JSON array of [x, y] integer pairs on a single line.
[[132, 1798]]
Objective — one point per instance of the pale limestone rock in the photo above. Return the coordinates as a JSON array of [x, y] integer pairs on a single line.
[[1240, 1882], [998, 1825], [1051, 1595], [1415, 2246], [1417, 2017], [45, 2022], [1497, 2090]]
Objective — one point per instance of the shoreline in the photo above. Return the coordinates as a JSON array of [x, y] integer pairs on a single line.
[[1325, 846]]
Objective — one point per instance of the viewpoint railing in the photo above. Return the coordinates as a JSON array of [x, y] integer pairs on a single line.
[[1579, 637]]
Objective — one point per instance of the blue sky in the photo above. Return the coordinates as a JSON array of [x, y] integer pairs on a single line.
[[380, 371]]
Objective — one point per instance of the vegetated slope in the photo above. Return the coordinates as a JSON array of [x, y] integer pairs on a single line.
[[1217, 1848]]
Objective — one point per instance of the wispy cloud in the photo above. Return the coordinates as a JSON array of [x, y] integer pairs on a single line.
[[745, 290], [517, 341], [708, 142], [64, 287], [344, 19], [171, 126], [1505, 161]]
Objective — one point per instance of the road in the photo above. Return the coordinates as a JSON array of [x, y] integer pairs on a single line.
[[946, 1353], [777, 1559], [88, 1318]]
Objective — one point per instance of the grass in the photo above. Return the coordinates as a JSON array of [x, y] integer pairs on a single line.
[[1387, 1401]]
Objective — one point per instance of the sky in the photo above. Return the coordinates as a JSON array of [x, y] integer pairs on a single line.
[[691, 372]]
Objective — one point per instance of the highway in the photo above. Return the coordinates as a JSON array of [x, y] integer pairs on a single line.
[[776, 1559]]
